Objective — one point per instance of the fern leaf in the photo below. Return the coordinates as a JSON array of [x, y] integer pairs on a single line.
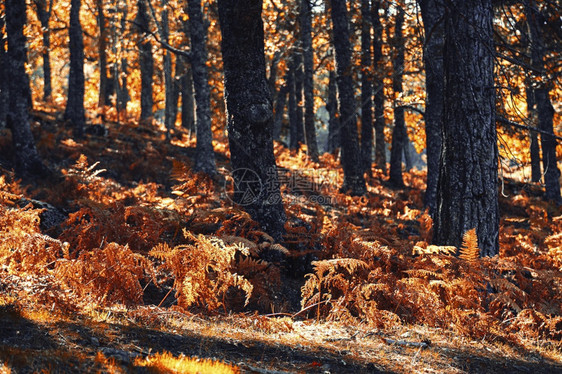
[[469, 249]]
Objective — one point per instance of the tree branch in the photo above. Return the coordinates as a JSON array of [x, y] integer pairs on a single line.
[[507, 122]]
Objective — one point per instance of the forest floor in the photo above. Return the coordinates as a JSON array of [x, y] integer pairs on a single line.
[[136, 196]]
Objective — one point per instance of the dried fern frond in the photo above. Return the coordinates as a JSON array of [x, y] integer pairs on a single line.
[[434, 250], [469, 249]]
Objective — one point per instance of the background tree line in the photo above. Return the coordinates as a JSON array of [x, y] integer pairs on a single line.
[[371, 75]]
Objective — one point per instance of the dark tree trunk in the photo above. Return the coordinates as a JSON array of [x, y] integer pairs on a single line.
[[545, 110], [380, 143], [204, 156], [467, 192], [146, 62], [123, 90], [272, 78], [169, 122], [3, 76], [308, 62], [103, 96], [44, 14], [366, 89], [534, 147], [399, 135], [354, 180], [279, 111], [434, 27], [292, 108], [332, 107], [249, 112], [27, 162], [75, 104], [187, 101], [299, 97]]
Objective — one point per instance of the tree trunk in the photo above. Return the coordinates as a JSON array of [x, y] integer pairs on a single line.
[[545, 110], [299, 97], [467, 192], [123, 90], [75, 104], [308, 62], [249, 112], [354, 180], [432, 14], [533, 119], [204, 155], [103, 96], [279, 111], [399, 134], [169, 122], [44, 14], [3, 79], [292, 107], [187, 101], [334, 121], [380, 143], [146, 62], [366, 88], [27, 162]]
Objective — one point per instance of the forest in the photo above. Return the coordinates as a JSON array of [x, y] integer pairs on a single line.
[[280, 186]]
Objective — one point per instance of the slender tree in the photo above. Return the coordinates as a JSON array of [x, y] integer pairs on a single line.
[[204, 155], [366, 88], [467, 193], [432, 12], [545, 110], [75, 103], [332, 107], [187, 101], [3, 79], [380, 143], [299, 97], [354, 180], [43, 10], [279, 111], [169, 122], [308, 84], [104, 93], [27, 161], [399, 135], [249, 113], [534, 147], [146, 61], [292, 107]]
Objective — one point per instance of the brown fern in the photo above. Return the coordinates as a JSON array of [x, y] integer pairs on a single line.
[[469, 249]]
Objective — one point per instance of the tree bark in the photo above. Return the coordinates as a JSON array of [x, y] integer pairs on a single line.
[[308, 62], [3, 79], [122, 86], [204, 155], [399, 134], [292, 108], [103, 96], [467, 194], [366, 88], [545, 110], [249, 112], [534, 146], [169, 122], [279, 111], [187, 101], [27, 161], [434, 27], [75, 103], [354, 180], [44, 14], [146, 62], [299, 97], [380, 143], [334, 121]]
